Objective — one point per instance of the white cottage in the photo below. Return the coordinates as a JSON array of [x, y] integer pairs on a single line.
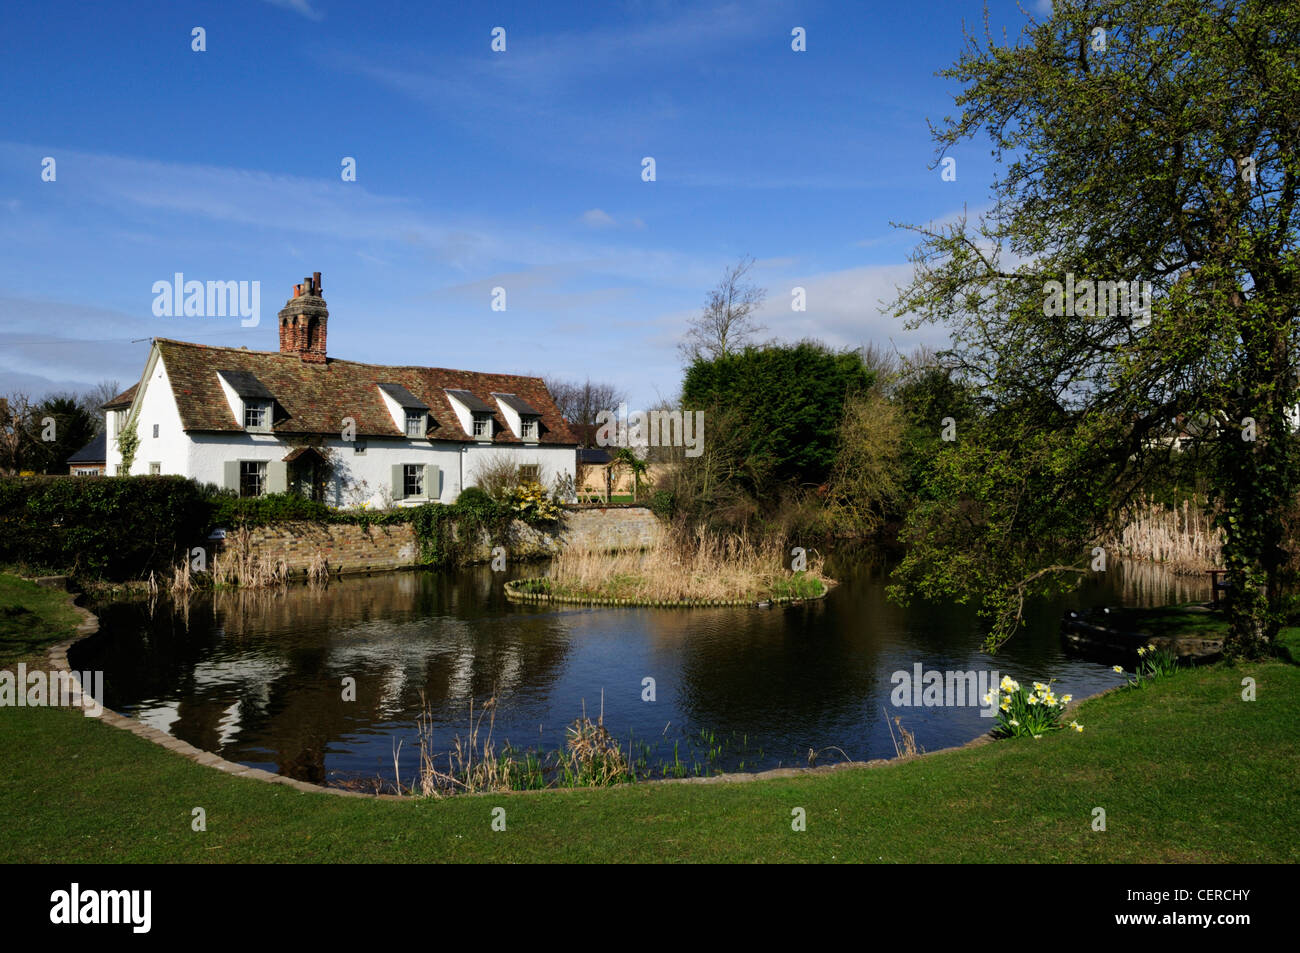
[[346, 433]]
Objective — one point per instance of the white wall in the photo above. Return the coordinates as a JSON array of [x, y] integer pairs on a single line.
[[154, 404]]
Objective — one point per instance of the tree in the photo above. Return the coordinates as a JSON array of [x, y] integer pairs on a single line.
[[782, 408], [1141, 142], [727, 324], [579, 403], [61, 427], [94, 398], [16, 437]]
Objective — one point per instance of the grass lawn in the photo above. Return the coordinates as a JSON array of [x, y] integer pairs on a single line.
[[1185, 770]]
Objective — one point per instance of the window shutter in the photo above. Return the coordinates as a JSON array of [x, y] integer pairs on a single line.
[[231, 475], [432, 473], [399, 482], [277, 476]]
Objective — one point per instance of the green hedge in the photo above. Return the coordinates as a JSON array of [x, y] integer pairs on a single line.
[[114, 527], [123, 527]]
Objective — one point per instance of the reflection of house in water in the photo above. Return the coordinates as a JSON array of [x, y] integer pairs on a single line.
[[270, 676]]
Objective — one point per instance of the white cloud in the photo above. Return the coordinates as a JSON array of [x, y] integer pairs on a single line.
[[597, 218], [298, 6]]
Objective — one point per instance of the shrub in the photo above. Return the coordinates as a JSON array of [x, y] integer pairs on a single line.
[[663, 504], [530, 502], [115, 527]]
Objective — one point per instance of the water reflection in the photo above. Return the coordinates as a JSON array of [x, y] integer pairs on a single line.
[[260, 677]]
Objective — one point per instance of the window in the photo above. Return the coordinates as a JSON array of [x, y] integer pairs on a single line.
[[255, 416], [155, 469], [119, 470], [528, 428], [482, 425], [530, 473], [359, 447], [413, 479], [155, 431], [252, 477], [414, 423]]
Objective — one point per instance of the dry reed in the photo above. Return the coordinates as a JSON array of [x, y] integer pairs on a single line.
[[1184, 539], [703, 567]]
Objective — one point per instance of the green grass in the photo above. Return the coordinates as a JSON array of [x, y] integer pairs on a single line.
[[31, 617], [1185, 770]]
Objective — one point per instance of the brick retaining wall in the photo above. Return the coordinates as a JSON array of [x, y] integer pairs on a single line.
[[356, 548]]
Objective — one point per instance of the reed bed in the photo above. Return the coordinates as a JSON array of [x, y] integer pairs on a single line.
[[701, 567], [236, 565], [1184, 538]]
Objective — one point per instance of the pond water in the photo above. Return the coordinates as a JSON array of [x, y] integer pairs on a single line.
[[258, 677]]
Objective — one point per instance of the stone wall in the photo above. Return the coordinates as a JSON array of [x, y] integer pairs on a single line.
[[354, 548]]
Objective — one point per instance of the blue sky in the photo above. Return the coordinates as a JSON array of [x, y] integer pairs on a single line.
[[475, 169]]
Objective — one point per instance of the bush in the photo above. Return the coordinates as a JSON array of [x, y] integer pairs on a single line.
[[227, 509], [530, 502], [115, 527], [663, 504]]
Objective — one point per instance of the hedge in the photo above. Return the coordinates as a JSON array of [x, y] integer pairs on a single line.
[[114, 527]]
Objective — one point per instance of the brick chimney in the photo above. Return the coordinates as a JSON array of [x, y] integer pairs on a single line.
[[303, 322]]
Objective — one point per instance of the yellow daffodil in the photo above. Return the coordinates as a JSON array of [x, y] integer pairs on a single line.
[[1065, 699], [1033, 699], [1039, 687], [1006, 705], [1116, 668], [1014, 723], [1076, 726], [1141, 652], [1009, 684], [1151, 647]]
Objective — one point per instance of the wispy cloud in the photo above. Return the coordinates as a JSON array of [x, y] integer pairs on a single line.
[[298, 6]]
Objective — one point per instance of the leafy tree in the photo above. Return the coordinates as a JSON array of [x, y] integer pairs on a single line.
[[1151, 141], [782, 406], [62, 427]]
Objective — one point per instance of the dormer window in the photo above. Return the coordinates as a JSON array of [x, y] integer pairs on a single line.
[[527, 429], [257, 415], [414, 423], [521, 416], [249, 399], [483, 426]]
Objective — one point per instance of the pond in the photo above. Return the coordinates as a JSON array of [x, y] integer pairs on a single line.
[[258, 677]]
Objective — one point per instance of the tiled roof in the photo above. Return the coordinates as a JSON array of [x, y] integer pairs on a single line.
[[314, 398], [93, 452], [246, 385], [405, 399], [475, 403], [517, 404], [121, 400]]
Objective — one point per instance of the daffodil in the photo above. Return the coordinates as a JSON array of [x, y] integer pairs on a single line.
[[1014, 723], [1009, 684], [1039, 687], [1141, 652], [1151, 647], [1065, 699], [1116, 668], [1033, 699], [1006, 705], [1076, 726]]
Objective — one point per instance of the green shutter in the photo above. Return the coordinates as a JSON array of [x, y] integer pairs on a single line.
[[399, 483], [231, 475], [277, 476], [432, 474]]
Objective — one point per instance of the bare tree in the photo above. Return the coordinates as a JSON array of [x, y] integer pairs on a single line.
[[727, 322], [579, 403], [16, 438], [93, 398]]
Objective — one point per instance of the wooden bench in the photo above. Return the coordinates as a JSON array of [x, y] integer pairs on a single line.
[[1217, 587]]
